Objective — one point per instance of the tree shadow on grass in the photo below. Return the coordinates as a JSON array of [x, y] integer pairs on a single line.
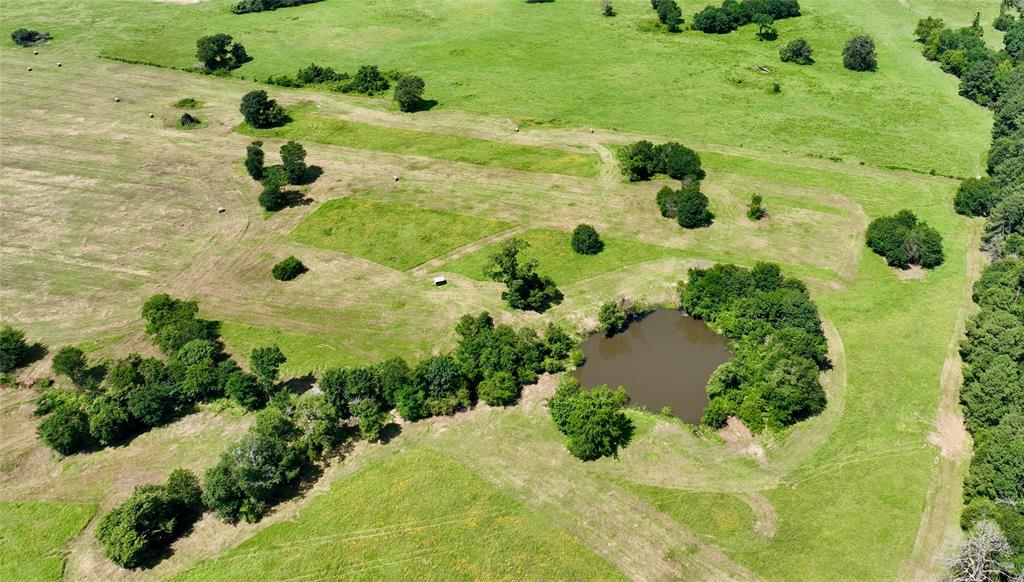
[[390, 432], [299, 385], [311, 175], [424, 105]]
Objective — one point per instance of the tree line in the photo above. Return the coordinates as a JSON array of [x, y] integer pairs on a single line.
[[733, 14], [775, 332], [368, 80], [248, 6]]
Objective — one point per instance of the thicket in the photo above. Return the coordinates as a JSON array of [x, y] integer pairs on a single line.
[[733, 14], [775, 332], [138, 531], [247, 6], [525, 289], [368, 80], [591, 420], [905, 241], [992, 394], [292, 170], [116, 400]]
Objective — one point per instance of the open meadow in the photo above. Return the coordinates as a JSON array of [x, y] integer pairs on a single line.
[[103, 205]]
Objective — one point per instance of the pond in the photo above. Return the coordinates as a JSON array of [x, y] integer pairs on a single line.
[[663, 359]]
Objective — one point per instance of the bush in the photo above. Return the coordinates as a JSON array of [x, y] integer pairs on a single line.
[[136, 532], [293, 158], [586, 241], [288, 269], [219, 52], [591, 420], [260, 111], [188, 121], [613, 317], [187, 103], [859, 54], [70, 361], [409, 92], [254, 160], [904, 241], [606, 8], [797, 51], [756, 210], [499, 389], [368, 80], [26, 37], [66, 430], [692, 209], [976, 197], [14, 350]]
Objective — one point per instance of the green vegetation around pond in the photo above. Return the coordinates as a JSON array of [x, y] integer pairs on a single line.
[[308, 125]]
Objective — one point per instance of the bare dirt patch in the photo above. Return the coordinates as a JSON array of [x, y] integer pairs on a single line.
[[741, 441]]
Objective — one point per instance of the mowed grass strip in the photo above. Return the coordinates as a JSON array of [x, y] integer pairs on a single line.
[[393, 235], [309, 126], [415, 516], [557, 260], [34, 534]]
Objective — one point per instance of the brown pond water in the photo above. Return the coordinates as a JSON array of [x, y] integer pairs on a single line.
[[664, 359]]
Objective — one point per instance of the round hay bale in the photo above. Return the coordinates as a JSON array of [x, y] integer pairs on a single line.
[[151, 116], [35, 52], [591, 130], [29, 68], [59, 65], [221, 210], [117, 99], [395, 178], [515, 130]]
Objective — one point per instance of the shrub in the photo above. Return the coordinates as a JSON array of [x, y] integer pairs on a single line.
[[756, 210], [499, 389], [65, 430], [606, 8], [219, 52], [188, 121], [586, 241], [976, 197], [613, 317], [187, 103], [904, 241], [859, 54], [692, 209], [797, 51], [26, 37], [14, 350], [293, 158], [70, 361], [368, 80], [260, 111], [288, 269], [254, 160], [409, 92], [591, 420]]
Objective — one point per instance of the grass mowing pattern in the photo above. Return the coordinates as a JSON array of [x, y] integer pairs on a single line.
[[417, 515], [309, 126], [721, 516], [557, 259], [393, 235], [33, 535]]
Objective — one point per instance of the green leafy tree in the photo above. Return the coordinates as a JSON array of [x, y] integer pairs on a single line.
[[14, 350], [927, 28], [272, 198], [254, 160], [613, 317], [110, 420], [669, 14], [692, 209], [678, 161], [70, 361], [765, 26], [219, 52], [372, 417], [293, 158], [247, 390], [409, 92], [368, 80], [1013, 40], [592, 421], [859, 54], [639, 160], [976, 197], [65, 430], [288, 269], [526, 289], [261, 111], [797, 51], [586, 241], [499, 389]]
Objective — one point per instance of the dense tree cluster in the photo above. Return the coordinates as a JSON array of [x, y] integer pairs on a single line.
[[368, 80], [26, 37], [797, 51], [247, 6], [139, 530], [288, 269], [642, 160], [905, 241], [591, 420], [293, 170], [859, 54], [219, 52], [122, 398], [774, 329], [586, 241], [985, 74], [733, 14], [525, 288], [688, 205]]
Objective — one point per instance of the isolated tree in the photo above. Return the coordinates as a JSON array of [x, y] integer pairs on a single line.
[[613, 317], [266, 363], [293, 158], [765, 26], [14, 350], [254, 160], [692, 209], [288, 269], [586, 241], [260, 111], [797, 51], [409, 92], [219, 52], [70, 361], [526, 289], [859, 54]]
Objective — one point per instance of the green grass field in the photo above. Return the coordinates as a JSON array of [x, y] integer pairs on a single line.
[[414, 515], [306, 124], [103, 206], [552, 251], [392, 235], [34, 537]]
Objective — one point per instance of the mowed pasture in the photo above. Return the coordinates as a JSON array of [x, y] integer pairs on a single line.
[[103, 206]]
